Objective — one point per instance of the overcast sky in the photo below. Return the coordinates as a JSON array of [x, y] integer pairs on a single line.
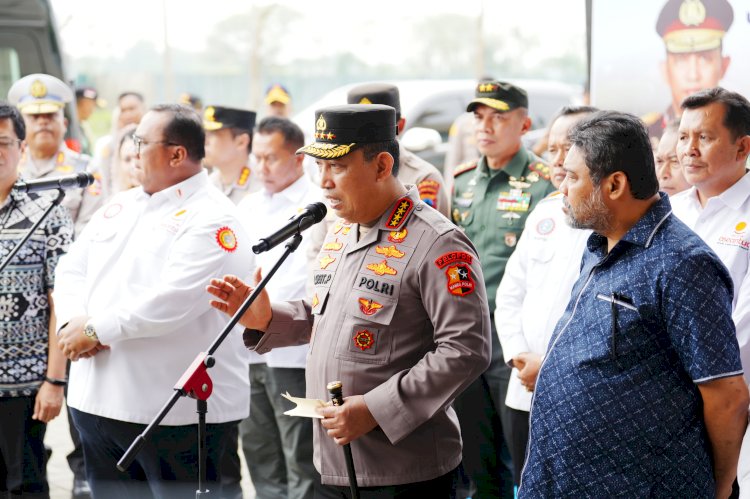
[[106, 28]]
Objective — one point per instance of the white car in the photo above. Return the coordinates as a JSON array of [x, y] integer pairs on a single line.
[[435, 104]]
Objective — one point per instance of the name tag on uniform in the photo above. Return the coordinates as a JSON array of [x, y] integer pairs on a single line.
[[515, 200]]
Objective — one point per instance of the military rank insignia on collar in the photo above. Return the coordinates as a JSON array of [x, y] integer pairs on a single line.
[[226, 239], [399, 213]]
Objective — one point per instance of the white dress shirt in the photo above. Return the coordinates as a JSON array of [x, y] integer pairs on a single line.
[[139, 271], [724, 224], [536, 287], [263, 213]]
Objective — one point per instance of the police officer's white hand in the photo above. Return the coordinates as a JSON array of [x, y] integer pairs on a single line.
[[232, 292]]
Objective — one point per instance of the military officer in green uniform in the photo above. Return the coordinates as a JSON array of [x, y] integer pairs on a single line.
[[491, 200], [693, 31]]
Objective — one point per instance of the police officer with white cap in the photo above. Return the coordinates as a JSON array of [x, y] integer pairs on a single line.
[[41, 99]]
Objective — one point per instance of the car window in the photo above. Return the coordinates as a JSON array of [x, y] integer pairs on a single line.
[[438, 113]]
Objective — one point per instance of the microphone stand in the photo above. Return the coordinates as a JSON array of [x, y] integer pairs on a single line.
[[196, 383], [19, 245]]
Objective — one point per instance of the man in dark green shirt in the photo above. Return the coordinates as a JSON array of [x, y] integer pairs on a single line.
[[491, 200]]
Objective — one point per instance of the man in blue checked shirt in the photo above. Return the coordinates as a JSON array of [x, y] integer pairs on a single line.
[[641, 391]]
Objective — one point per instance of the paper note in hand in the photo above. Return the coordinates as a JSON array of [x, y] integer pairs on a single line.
[[305, 407]]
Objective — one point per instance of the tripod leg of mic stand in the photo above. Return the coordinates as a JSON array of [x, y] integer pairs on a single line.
[[202, 452]]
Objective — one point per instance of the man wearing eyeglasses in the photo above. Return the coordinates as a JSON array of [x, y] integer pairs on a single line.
[[130, 299], [41, 99], [32, 369]]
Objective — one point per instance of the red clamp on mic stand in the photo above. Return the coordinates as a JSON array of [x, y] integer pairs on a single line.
[[196, 383]]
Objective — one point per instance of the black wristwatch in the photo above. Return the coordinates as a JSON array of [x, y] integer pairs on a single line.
[[56, 381]]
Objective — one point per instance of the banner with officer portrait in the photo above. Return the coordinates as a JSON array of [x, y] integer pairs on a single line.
[[647, 55]]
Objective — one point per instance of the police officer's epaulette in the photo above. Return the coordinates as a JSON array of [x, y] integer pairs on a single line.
[[650, 118], [463, 168], [540, 169]]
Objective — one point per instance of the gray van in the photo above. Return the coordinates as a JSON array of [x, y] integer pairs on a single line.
[[29, 44]]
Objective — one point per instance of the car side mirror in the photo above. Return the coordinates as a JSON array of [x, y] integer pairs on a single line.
[[420, 139]]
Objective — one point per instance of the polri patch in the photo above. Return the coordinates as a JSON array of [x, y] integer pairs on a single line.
[[428, 192], [460, 282], [452, 257]]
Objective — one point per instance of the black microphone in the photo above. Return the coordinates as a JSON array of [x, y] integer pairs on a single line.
[[67, 182], [312, 214]]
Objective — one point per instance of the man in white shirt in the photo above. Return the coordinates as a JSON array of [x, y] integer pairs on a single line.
[[713, 146], [130, 298], [536, 287], [278, 448]]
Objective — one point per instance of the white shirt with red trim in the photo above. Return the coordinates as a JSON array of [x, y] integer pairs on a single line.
[[536, 287], [724, 224], [139, 271], [263, 213]]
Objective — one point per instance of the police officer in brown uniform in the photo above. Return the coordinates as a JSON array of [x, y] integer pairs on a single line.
[[692, 31], [398, 314], [229, 139], [491, 200], [41, 99], [412, 170]]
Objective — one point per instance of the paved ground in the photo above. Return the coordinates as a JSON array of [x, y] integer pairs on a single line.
[[61, 478]]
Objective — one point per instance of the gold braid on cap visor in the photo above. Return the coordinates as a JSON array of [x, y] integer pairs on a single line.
[[327, 151]]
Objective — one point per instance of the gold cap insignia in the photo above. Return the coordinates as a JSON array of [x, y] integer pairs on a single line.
[[321, 123], [208, 114], [365, 100], [692, 12], [38, 89]]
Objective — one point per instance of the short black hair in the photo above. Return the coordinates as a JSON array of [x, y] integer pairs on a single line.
[[736, 106], [185, 129], [294, 138], [10, 112], [128, 93], [612, 141], [372, 149]]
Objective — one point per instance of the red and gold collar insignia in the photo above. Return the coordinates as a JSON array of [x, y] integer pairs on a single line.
[[315, 300], [364, 340], [399, 213], [325, 261], [226, 239], [334, 245], [398, 236], [460, 282], [381, 268], [244, 175], [389, 251], [369, 307]]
